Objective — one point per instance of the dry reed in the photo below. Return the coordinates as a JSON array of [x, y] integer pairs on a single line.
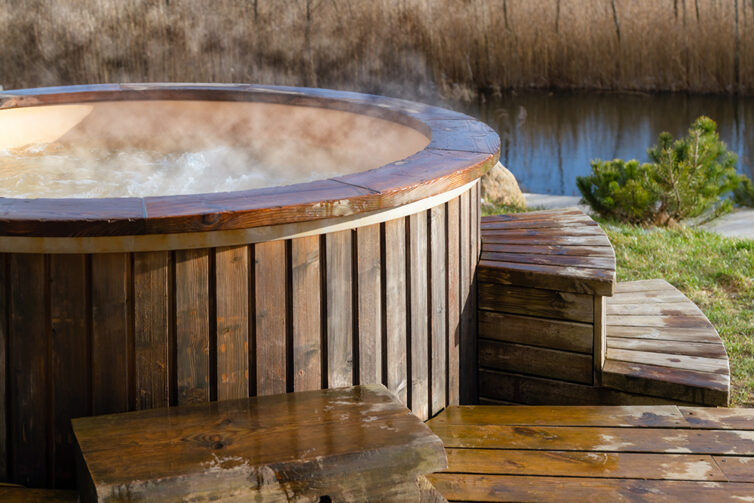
[[414, 48]]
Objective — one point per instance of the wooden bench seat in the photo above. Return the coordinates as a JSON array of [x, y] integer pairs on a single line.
[[659, 343], [583, 453]]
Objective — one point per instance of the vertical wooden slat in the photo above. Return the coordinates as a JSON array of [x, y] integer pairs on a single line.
[[474, 226], [70, 358], [370, 305], [232, 304], [4, 285], [395, 307], [454, 306], [270, 298], [468, 358], [419, 400], [306, 311], [192, 325], [600, 340], [339, 309], [28, 369], [438, 301], [110, 274], [151, 308]]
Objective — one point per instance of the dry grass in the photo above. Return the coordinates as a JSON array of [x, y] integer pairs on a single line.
[[406, 47]]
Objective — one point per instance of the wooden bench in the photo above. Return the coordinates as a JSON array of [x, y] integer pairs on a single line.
[[347, 444], [12, 494], [582, 453]]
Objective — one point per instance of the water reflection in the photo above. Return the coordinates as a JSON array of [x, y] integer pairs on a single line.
[[548, 139]]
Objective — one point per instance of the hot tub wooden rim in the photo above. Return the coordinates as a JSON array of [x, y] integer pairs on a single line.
[[461, 149]]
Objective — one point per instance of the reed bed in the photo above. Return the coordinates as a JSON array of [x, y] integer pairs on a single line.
[[414, 48]]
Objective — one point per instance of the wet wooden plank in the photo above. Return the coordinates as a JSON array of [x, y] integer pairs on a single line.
[[536, 361], [28, 370], [664, 333], [4, 367], [675, 361], [232, 304], [419, 308], [736, 468], [543, 223], [564, 278], [395, 308], [667, 309], [306, 313], [454, 303], [722, 418], [502, 488], [439, 310], [553, 250], [369, 270], [554, 334], [645, 285], [546, 239], [661, 321], [192, 325], [600, 337], [338, 285], [660, 297], [557, 260], [70, 370], [151, 329], [705, 349], [110, 332], [587, 464], [270, 320], [536, 302], [25, 495], [535, 215], [574, 231]]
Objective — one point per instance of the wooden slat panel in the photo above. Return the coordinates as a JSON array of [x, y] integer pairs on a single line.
[[564, 278], [28, 369], [660, 321], [4, 367], [600, 337], [536, 302], [664, 333], [713, 365], [536, 215], [395, 307], [468, 347], [439, 328], [586, 464], [705, 349], [645, 285], [70, 376], [370, 304], [548, 239], [192, 325], [737, 468], [541, 223], [306, 313], [151, 329], [641, 308], [418, 303], [339, 285], [232, 304], [576, 231], [558, 260], [454, 307], [25, 495], [659, 297], [555, 334], [568, 251], [551, 363], [110, 326], [270, 298], [728, 419]]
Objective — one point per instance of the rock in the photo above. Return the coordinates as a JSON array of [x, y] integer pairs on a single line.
[[500, 187]]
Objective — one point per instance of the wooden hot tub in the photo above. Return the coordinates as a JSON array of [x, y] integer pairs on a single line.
[[114, 304]]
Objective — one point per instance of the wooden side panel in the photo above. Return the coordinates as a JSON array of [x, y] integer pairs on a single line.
[[454, 303], [28, 369], [418, 305], [554, 334], [152, 317], [536, 302], [438, 314], [339, 309], [270, 298], [306, 311], [192, 325], [468, 336], [370, 304], [4, 287], [70, 354], [395, 307], [600, 336], [110, 332], [232, 304]]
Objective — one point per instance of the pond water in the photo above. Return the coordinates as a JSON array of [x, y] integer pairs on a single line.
[[548, 139]]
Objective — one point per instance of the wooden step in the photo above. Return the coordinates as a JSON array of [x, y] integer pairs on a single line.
[[14, 494], [584, 453], [665, 349]]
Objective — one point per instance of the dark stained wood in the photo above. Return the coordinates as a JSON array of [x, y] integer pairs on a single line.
[[4, 326], [321, 446], [545, 239], [439, 308], [563, 278], [669, 346], [24, 495], [537, 302], [560, 260], [28, 368], [370, 304], [664, 333], [736, 468], [192, 325], [599, 345], [454, 306], [306, 310], [419, 308], [232, 318], [554, 334], [395, 308], [151, 329], [719, 418], [70, 379], [654, 309], [552, 250], [468, 346], [270, 298], [551, 363], [110, 332], [645, 285], [339, 284]]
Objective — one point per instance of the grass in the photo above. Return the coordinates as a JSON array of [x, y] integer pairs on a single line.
[[413, 48]]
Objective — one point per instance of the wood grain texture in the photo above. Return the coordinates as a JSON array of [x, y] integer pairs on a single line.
[[111, 336], [419, 309], [338, 286], [270, 299], [536, 302], [554, 334], [306, 314], [192, 325], [454, 303], [438, 308], [151, 329], [24, 495], [468, 347], [600, 337], [395, 308], [369, 304], [232, 318], [4, 364]]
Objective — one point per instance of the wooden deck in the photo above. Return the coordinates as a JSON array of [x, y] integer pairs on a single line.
[[659, 343], [584, 453]]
